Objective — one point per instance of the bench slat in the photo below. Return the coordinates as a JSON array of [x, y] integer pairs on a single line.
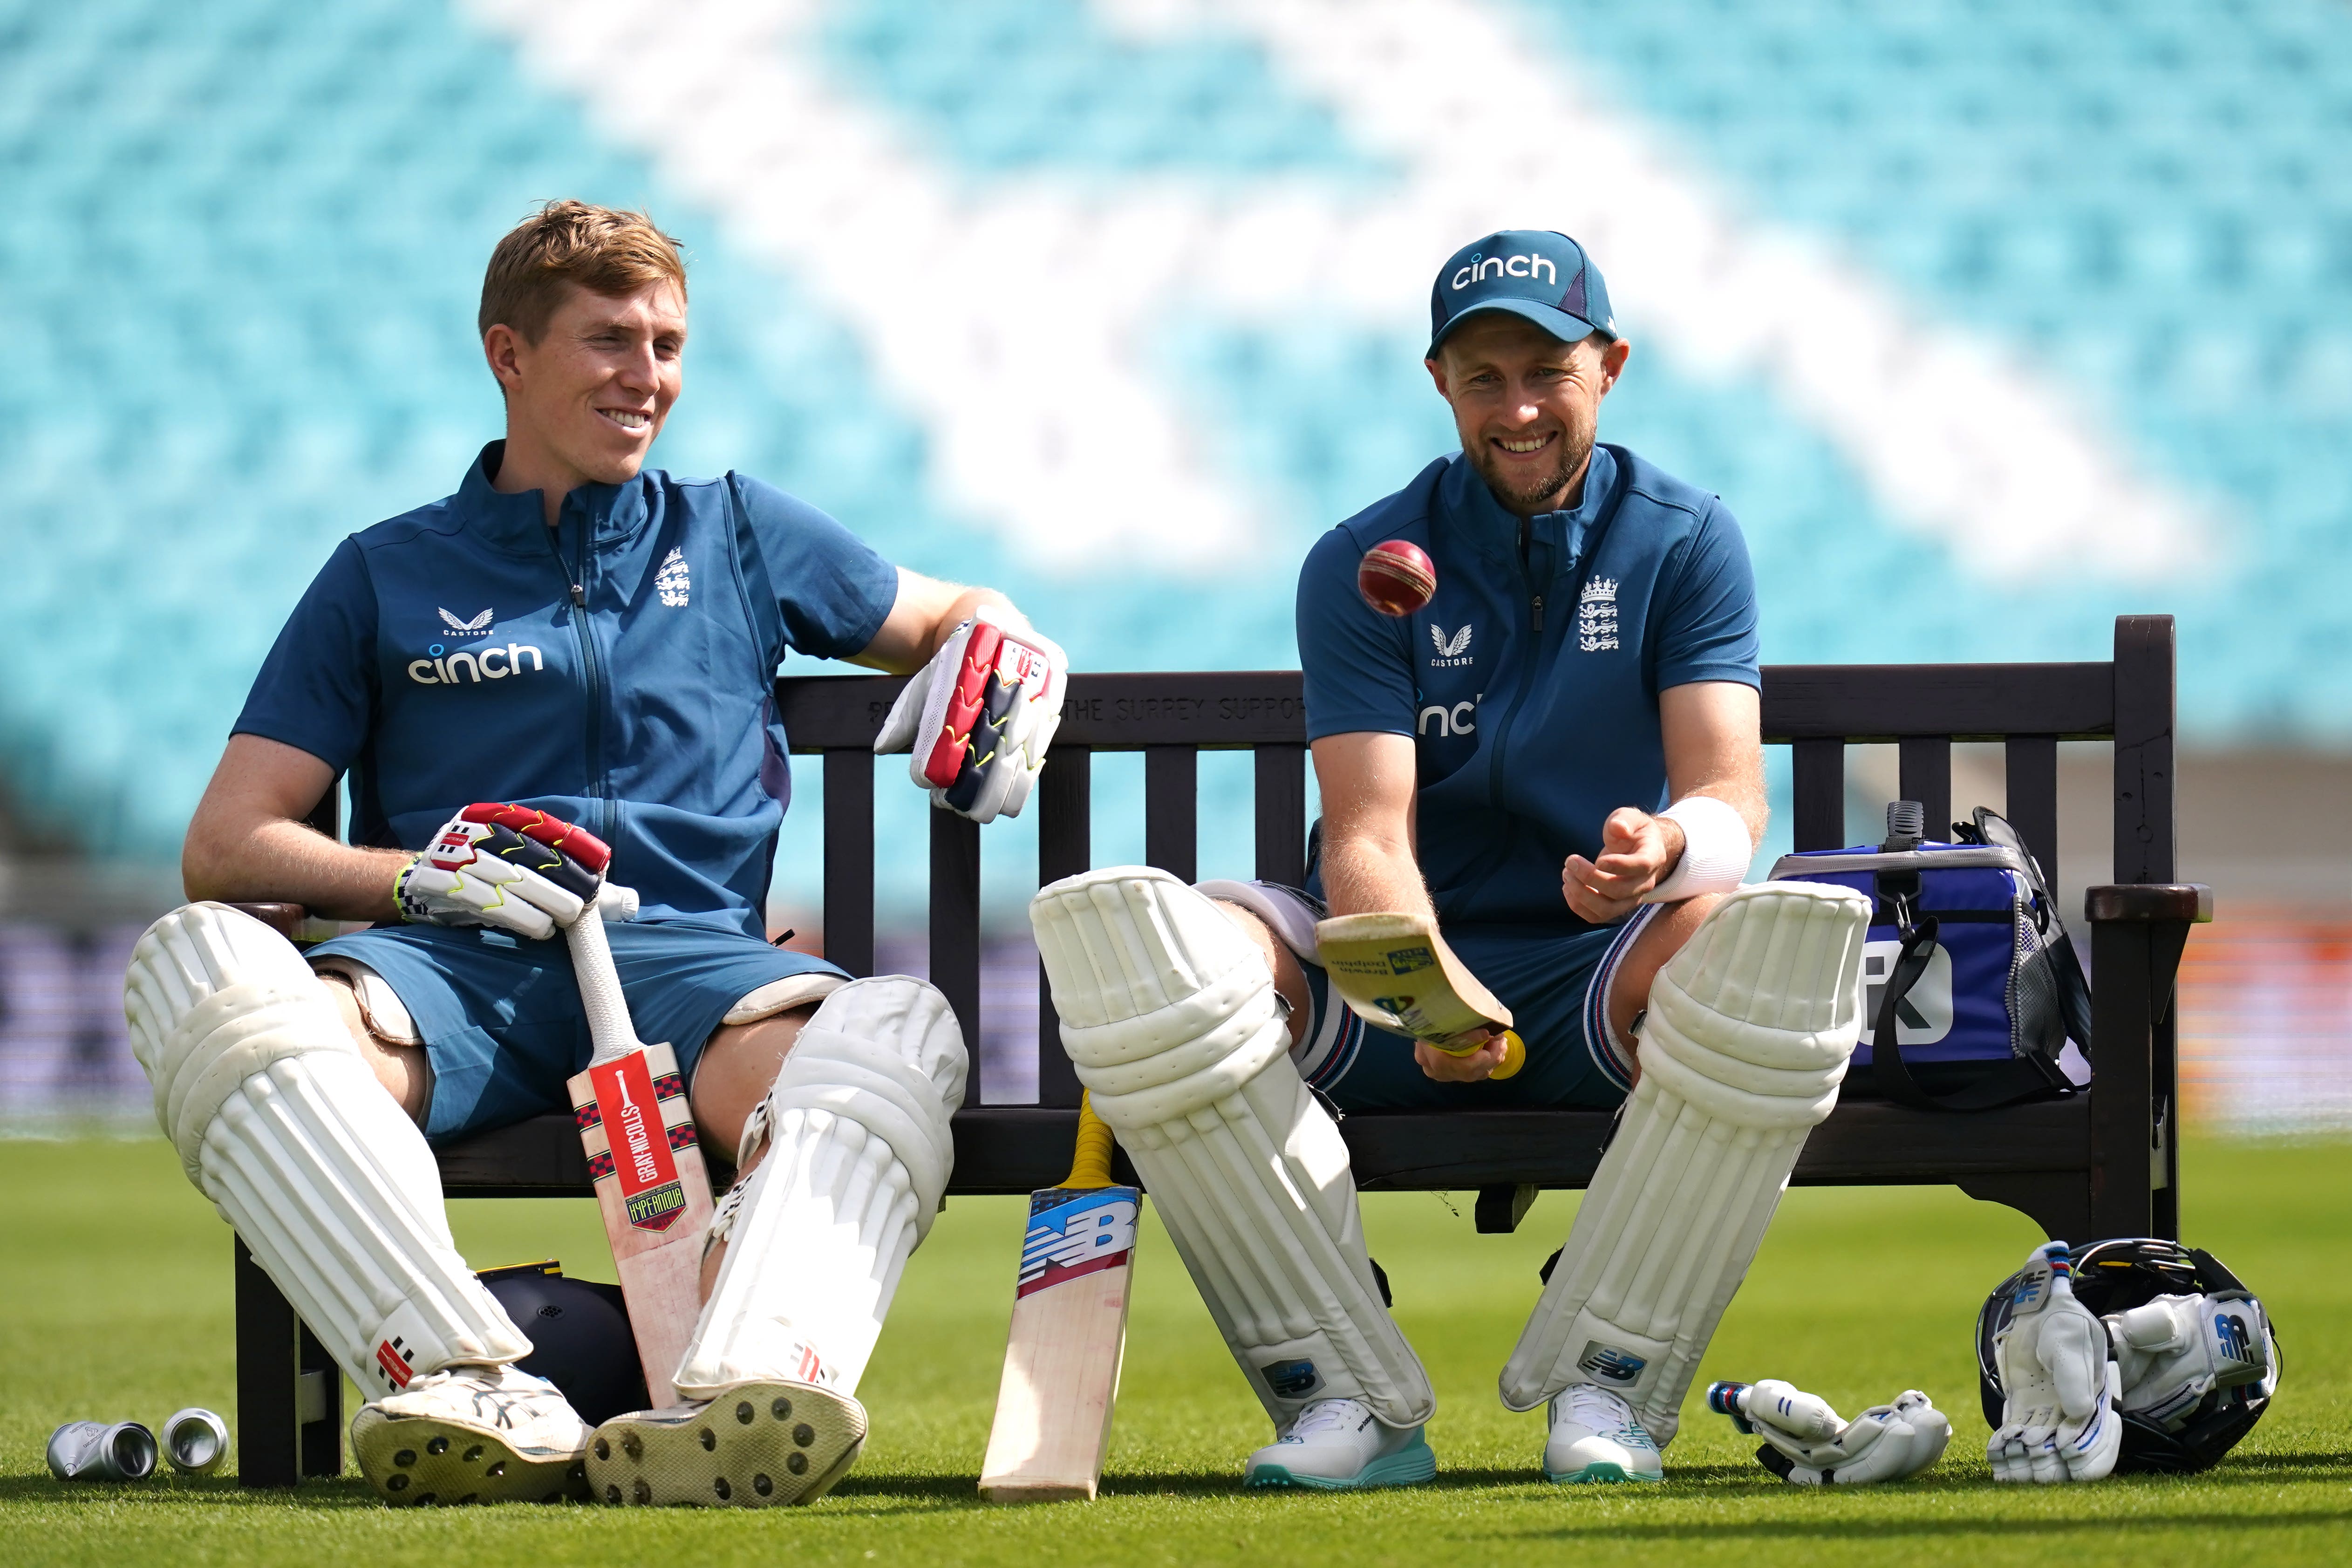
[[1924, 774], [1819, 787], [2032, 763], [849, 860], [1171, 810], [955, 928], [1281, 788], [1065, 848], [1016, 1148], [1961, 701]]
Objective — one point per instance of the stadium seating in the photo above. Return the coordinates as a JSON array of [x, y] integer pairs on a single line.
[[238, 273]]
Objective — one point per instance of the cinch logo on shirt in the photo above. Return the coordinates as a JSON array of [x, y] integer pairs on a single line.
[[1461, 719], [484, 664], [1482, 267], [1451, 652]]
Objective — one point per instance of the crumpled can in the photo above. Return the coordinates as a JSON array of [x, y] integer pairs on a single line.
[[94, 1451]]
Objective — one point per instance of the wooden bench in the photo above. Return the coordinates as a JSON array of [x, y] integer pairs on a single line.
[[2100, 1163]]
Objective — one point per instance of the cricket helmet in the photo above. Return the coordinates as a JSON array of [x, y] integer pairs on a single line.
[[580, 1337], [2114, 1277]]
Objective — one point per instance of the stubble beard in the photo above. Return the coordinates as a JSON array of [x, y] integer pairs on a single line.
[[1542, 495]]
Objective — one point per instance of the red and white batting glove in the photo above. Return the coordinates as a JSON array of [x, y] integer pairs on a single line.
[[501, 865], [979, 717]]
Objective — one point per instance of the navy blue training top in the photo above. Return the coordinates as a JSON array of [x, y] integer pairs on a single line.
[[441, 659], [1533, 716]]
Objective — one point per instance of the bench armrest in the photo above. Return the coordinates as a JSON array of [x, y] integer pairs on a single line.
[[2151, 902]]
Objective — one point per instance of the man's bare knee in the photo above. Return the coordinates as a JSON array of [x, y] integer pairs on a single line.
[[405, 1072], [1289, 975], [738, 1067]]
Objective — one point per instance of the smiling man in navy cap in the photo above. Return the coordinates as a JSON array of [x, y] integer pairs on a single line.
[[1557, 762]]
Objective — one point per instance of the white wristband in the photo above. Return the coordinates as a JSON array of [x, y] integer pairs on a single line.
[[1716, 851]]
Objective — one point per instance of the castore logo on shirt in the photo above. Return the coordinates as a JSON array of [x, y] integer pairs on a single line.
[[439, 667]]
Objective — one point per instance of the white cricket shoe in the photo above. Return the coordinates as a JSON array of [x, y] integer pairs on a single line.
[[472, 1434], [1594, 1437], [1337, 1445], [762, 1443]]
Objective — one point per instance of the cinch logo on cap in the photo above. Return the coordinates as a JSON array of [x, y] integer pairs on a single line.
[[1540, 275]]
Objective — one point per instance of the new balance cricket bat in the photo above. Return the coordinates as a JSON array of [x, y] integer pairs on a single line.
[[651, 1185], [1069, 1332], [1397, 972]]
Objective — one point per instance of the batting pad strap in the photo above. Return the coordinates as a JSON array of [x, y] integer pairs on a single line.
[[1717, 850]]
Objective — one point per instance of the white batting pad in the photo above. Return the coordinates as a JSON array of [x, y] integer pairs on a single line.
[[1748, 1032], [1170, 1013], [859, 1151], [279, 1122]]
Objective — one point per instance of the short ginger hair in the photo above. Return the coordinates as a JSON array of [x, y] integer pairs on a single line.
[[601, 250]]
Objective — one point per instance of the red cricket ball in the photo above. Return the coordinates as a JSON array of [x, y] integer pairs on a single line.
[[1396, 577]]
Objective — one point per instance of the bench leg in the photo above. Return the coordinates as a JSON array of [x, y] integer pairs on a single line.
[[2123, 1104], [289, 1393]]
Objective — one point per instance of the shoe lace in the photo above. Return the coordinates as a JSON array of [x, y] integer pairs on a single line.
[[1596, 1407], [1326, 1416]]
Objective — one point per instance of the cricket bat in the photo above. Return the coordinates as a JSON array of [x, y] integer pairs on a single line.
[[651, 1185], [1397, 972], [1068, 1335]]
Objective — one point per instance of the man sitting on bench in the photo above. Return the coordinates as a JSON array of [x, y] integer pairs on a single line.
[[594, 646], [1558, 763]]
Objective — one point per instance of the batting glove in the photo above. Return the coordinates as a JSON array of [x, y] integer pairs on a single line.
[[979, 717], [1806, 1444], [505, 866], [2174, 1351], [2058, 1413]]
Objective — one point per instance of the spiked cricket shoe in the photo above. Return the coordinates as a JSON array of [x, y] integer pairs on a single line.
[[1336, 1445], [1594, 1437], [472, 1434], [764, 1444]]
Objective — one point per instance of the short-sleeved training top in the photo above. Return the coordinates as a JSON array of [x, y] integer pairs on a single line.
[[616, 670], [1529, 684]]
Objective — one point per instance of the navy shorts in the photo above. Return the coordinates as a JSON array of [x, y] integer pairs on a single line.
[[1554, 982], [500, 1014]]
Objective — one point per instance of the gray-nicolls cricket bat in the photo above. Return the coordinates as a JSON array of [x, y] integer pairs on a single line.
[[651, 1185], [1068, 1336]]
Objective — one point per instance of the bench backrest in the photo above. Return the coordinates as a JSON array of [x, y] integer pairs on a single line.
[[1817, 711]]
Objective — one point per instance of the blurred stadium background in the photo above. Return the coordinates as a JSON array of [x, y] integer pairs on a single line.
[[1990, 319]]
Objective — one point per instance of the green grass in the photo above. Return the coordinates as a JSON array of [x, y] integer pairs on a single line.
[[114, 1302]]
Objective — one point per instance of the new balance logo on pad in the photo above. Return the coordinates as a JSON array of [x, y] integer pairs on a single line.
[[1608, 1364]]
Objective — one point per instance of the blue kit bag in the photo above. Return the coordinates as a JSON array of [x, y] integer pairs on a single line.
[[1971, 986]]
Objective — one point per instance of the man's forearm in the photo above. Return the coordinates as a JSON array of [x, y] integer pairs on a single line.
[[280, 860], [1373, 875]]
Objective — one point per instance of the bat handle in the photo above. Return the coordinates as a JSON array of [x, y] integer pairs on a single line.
[[1091, 1168], [600, 989]]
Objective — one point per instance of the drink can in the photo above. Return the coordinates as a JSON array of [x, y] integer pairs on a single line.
[[94, 1451], [195, 1441]]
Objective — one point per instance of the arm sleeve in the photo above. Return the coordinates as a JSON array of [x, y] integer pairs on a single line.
[[831, 588], [1358, 674], [1708, 631], [317, 690]]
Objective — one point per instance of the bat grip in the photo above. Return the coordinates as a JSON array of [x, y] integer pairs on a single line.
[[1091, 1168], [600, 989]]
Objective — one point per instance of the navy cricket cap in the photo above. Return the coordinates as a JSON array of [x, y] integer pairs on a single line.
[[1536, 273]]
